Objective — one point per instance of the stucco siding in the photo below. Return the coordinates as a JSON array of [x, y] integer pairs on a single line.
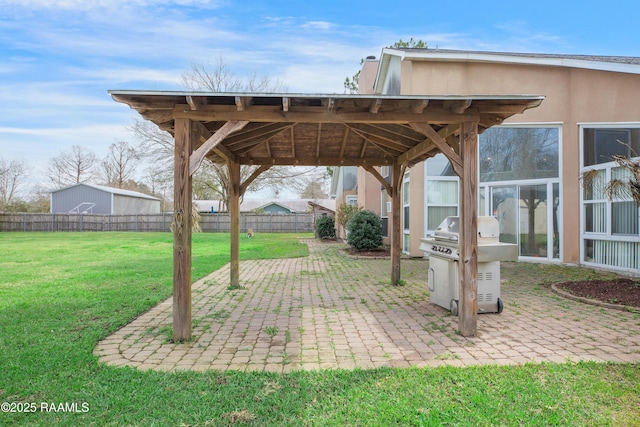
[[573, 96]]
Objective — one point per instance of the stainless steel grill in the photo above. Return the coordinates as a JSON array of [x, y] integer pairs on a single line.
[[443, 249]]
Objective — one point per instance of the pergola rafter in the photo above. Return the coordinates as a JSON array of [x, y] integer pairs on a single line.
[[321, 130]]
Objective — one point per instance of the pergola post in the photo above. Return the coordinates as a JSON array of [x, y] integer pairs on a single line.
[[234, 212], [181, 226], [396, 227], [468, 304]]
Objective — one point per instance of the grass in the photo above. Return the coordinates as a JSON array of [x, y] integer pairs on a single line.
[[60, 293]]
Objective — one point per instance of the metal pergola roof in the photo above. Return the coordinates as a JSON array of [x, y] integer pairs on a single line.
[[324, 129]]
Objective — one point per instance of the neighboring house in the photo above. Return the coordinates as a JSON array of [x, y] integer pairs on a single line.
[[530, 165], [98, 199], [274, 206], [344, 189], [322, 207]]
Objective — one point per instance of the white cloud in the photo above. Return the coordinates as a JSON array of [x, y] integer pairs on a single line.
[[317, 25], [96, 4]]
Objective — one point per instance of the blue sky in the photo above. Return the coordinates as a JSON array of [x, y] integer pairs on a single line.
[[59, 57]]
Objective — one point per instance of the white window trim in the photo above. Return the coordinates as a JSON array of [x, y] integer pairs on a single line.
[[608, 235], [538, 181], [406, 231]]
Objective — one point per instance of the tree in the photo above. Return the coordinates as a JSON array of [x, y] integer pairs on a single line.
[[11, 178], [314, 190], [351, 83], [72, 167], [213, 179], [314, 184], [625, 186], [345, 212], [119, 165], [220, 78]]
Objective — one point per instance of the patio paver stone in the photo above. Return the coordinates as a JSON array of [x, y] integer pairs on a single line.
[[331, 311]]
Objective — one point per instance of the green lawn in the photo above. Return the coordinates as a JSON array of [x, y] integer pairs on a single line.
[[60, 293]]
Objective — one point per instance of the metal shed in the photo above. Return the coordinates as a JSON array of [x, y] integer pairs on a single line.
[[98, 199]]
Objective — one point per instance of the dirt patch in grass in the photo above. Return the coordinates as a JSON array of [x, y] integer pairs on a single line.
[[621, 291]]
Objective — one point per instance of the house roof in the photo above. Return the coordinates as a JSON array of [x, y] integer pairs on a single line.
[[249, 205], [270, 129], [111, 190], [328, 204], [622, 64]]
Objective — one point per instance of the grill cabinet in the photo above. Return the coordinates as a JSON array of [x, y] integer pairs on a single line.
[[443, 249]]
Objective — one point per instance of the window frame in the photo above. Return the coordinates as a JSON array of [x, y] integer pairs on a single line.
[[608, 234]]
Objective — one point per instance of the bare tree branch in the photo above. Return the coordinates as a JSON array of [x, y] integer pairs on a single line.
[[11, 178], [119, 165], [72, 167]]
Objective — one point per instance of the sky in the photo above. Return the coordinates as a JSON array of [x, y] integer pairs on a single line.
[[60, 57]]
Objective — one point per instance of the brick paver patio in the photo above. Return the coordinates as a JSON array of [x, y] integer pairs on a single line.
[[332, 311]]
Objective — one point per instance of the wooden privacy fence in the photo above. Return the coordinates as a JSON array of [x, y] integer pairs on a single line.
[[210, 223]]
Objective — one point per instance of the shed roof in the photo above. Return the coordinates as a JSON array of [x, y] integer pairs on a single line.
[[322, 129], [111, 190]]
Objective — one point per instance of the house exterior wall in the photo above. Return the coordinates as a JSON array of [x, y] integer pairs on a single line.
[[416, 214], [346, 190], [574, 97], [370, 190], [367, 77], [274, 208]]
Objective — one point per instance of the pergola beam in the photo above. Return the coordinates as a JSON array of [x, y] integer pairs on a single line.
[[185, 136], [317, 161], [468, 265], [234, 214], [213, 142], [256, 173], [441, 143], [373, 171], [320, 115], [397, 172]]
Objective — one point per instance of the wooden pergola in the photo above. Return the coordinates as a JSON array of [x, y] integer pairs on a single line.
[[267, 129]]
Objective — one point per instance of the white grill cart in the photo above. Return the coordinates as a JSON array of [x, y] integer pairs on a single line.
[[443, 249]]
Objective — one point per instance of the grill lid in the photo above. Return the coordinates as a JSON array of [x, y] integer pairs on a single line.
[[449, 229]]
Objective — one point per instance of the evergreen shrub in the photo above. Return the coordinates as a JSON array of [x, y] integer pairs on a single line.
[[364, 231], [325, 227]]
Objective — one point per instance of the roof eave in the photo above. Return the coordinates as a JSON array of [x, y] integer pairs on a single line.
[[422, 55]]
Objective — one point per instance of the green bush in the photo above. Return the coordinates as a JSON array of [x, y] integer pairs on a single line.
[[364, 231], [326, 227], [345, 212]]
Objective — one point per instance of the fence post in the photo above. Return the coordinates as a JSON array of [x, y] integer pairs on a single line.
[[53, 218], [296, 219], [24, 221]]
